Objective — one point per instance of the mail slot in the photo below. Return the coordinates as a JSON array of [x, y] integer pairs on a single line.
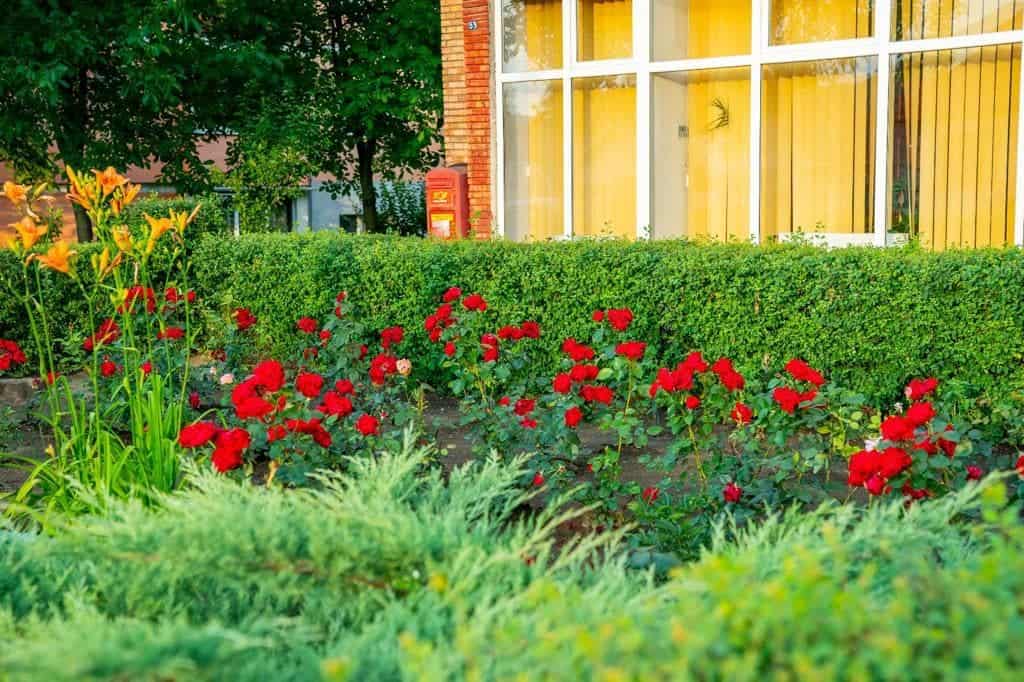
[[447, 203]]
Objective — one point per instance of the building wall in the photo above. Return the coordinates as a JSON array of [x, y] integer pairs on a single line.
[[468, 98]]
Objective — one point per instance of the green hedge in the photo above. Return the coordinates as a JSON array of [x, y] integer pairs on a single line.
[[870, 318]]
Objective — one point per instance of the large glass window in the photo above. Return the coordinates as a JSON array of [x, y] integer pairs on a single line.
[[699, 28], [700, 154], [952, 145], [605, 29], [817, 147], [604, 156], [800, 21], [917, 19], [533, 160], [531, 35], [732, 120]]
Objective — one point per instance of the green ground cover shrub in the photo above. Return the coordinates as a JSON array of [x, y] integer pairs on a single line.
[[386, 574]]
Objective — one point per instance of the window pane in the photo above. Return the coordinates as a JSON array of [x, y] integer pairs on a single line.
[[605, 29], [800, 21], [700, 158], [916, 19], [952, 145], [699, 28], [817, 147], [604, 156], [531, 34], [533, 160]]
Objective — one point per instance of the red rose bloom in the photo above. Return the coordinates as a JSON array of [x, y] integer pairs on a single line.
[[897, 428], [732, 493], [974, 473], [309, 384], [276, 433], [108, 332], [307, 325], [391, 336], [573, 416], [325, 336], [336, 405], [597, 316], [875, 485], [620, 318], [510, 333], [230, 445], [269, 375], [368, 425], [171, 334], [190, 297], [580, 373], [146, 368], [198, 434], [244, 319], [504, 401], [524, 406], [787, 398], [343, 386], [452, 294], [741, 414], [634, 350], [449, 349], [1020, 466], [474, 302], [562, 383], [893, 461], [692, 402], [730, 378], [248, 401], [528, 423], [919, 388], [920, 414], [650, 495], [801, 371], [863, 465], [193, 400], [172, 295], [108, 368], [381, 367], [577, 351], [694, 363], [10, 355], [538, 479], [597, 394], [530, 329], [311, 427]]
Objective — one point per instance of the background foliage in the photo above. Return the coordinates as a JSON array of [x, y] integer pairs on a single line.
[[869, 318]]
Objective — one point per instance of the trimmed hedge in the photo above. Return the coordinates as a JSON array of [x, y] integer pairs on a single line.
[[871, 318]]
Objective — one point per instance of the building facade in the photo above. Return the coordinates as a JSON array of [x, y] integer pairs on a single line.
[[858, 121]]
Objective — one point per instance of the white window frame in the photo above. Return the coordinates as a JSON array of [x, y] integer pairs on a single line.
[[878, 46]]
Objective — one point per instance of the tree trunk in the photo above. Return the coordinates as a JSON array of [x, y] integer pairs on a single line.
[[83, 226], [366, 150]]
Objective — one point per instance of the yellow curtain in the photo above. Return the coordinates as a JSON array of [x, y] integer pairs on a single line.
[[604, 156], [953, 145], [533, 160], [605, 29], [800, 21], [543, 19], [546, 213], [917, 19]]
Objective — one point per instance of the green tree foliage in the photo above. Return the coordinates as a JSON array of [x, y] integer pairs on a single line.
[[98, 84]]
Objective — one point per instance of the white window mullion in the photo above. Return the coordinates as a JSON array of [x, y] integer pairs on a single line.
[[499, 170], [758, 30], [642, 55], [883, 21], [568, 60]]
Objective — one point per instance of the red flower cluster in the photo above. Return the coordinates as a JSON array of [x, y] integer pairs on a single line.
[[336, 404], [741, 414], [439, 320], [681, 378], [309, 384], [490, 343], [527, 330], [310, 427], [597, 394], [134, 294], [391, 336], [171, 334], [474, 302], [650, 495], [229, 444], [381, 367], [873, 469], [108, 368], [920, 388], [801, 371], [633, 350], [732, 493], [248, 396], [10, 355], [244, 319], [727, 374], [577, 351], [618, 318], [368, 425], [107, 333], [573, 417], [789, 399], [307, 325]]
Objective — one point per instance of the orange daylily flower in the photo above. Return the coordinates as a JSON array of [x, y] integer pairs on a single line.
[[15, 193], [83, 192], [109, 179], [157, 228], [127, 196], [123, 238], [103, 265], [183, 220], [29, 231], [60, 257]]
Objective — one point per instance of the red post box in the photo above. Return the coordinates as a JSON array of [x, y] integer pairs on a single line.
[[448, 203]]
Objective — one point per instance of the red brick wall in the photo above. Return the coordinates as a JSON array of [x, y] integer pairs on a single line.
[[468, 73]]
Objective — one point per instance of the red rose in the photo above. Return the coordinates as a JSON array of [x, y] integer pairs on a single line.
[[108, 368], [171, 334], [343, 387], [313, 428], [190, 297], [732, 493], [490, 354], [897, 428], [562, 383], [193, 400], [893, 461], [391, 336], [449, 349], [1020, 466], [597, 316], [538, 479], [248, 402], [335, 404], [694, 363], [620, 319], [920, 414], [452, 294], [741, 414], [524, 406], [474, 302], [863, 465], [146, 368], [597, 394], [269, 375], [730, 378], [276, 433], [787, 398], [581, 373], [198, 434], [919, 388], [948, 446], [801, 371], [368, 425], [309, 384], [634, 350], [226, 460], [230, 445], [875, 485], [244, 319], [650, 495], [381, 367], [692, 402], [505, 401], [577, 351], [108, 332], [10, 355], [974, 473], [573, 416], [171, 295], [926, 446], [528, 423], [325, 336], [510, 333], [307, 325], [531, 330]]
